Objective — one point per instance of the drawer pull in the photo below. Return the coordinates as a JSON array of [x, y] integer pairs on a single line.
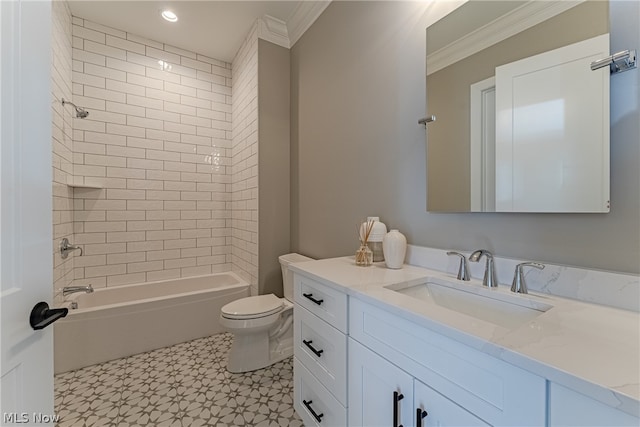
[[397, 397], [420, 414], [310, 296], [308, 344], [318, 417]]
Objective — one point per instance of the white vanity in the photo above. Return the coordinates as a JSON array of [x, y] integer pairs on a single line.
[[380, 347]]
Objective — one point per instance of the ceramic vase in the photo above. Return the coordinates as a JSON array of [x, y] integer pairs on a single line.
[[394, 247]]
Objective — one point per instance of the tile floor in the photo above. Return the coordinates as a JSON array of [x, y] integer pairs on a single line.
[[183, 385]]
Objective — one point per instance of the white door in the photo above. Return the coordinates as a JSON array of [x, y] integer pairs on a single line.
[[380, 393], [482, 141], [552, 131], [26, 271]]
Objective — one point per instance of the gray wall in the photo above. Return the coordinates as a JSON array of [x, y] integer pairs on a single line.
[[358, 89], [273, 163]]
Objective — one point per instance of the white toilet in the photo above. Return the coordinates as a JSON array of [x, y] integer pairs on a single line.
[[262, 325]]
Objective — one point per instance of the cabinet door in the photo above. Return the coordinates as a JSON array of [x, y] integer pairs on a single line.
[[440, 411], [570, 408], [378, 390]]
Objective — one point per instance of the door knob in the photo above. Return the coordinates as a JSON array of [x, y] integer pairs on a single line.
[[42, 316]]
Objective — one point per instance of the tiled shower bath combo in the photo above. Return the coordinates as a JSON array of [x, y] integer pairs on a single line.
[[157, 183], [183, 385]]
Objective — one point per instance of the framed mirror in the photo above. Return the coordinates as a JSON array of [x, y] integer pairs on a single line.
[[522, 122]]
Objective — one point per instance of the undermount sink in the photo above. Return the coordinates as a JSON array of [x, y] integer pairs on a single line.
[[485, 304]]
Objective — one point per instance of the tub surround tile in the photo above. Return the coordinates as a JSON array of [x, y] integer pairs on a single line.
[[244, 147], [62, 142], [183, 385], [153, 109]]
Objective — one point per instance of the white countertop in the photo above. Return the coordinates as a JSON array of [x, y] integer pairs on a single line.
[[592, 349]]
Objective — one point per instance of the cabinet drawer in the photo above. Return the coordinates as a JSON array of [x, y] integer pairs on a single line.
[[326, 303], [312, 401], [495, 391], [323, 350]]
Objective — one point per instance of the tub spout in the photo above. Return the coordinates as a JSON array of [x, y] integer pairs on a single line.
[[73, 289]]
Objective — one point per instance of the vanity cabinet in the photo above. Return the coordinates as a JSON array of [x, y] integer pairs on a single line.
[[433, 409], [490, 391], [359, 362], [320, 353], [380, 393], [570, 408]]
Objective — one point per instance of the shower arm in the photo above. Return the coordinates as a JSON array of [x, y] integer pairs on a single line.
[[64, 102], [81, 113]]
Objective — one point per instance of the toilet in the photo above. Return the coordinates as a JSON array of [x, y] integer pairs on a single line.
[[262, 325]]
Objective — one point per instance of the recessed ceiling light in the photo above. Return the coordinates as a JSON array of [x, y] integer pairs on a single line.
[[169, 16]]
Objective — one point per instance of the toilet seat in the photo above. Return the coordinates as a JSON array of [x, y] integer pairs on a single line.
[[252, 307]]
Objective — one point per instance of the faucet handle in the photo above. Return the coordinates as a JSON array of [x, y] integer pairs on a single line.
[[463, 268], [518, 285], [66, 247]]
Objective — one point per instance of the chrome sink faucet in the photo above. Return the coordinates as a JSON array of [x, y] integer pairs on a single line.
[[518, 285], [490, 278], [463, 268], [73, 289]]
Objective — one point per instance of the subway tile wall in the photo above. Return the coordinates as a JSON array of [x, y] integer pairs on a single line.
[[158, 141], [244, 169], [62, 143]]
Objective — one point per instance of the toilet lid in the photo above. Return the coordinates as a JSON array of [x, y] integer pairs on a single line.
[[252, 307]]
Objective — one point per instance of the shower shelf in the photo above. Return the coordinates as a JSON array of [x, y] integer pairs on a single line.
[[90, 186]]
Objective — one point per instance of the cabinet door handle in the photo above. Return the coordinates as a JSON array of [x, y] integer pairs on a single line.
[[318, 417], [310, 297], [420, 414], [397, 397], [308, 344]]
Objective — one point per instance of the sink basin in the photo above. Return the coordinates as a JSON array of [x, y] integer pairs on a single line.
[[485, 304]]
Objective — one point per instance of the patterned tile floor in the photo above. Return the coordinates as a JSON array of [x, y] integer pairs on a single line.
[[184, 385]]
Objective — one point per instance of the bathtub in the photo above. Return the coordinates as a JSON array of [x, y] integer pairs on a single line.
[[121, 321]]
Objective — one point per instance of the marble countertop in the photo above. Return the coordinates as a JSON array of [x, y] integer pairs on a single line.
[[589, 348]]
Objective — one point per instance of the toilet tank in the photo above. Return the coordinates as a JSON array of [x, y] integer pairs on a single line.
[[287, 275]]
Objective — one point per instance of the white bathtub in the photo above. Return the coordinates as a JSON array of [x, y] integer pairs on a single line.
[[116, 322]]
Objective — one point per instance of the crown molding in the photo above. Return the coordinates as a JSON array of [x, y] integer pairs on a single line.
[[303, 17], [514, 22], [273, 30]]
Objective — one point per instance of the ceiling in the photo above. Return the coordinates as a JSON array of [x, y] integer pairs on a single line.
[[212, 28]]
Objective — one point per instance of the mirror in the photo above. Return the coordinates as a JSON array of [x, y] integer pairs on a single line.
[[512, 133]]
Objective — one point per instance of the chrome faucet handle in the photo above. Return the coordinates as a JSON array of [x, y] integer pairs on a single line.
[[490, 278], [463, 268], [66, 247], [519, 285]]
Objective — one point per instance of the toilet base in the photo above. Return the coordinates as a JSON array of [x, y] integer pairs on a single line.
[[262, 344], [252, 352]]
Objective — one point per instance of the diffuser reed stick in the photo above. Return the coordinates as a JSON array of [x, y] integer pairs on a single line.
[[364, 255]]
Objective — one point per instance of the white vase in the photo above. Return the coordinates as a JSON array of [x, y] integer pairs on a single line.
[[394, 247]]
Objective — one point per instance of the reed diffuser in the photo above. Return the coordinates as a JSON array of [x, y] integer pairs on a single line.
[[364, 255]]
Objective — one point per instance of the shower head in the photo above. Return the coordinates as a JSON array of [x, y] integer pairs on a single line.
[[81, 113]]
